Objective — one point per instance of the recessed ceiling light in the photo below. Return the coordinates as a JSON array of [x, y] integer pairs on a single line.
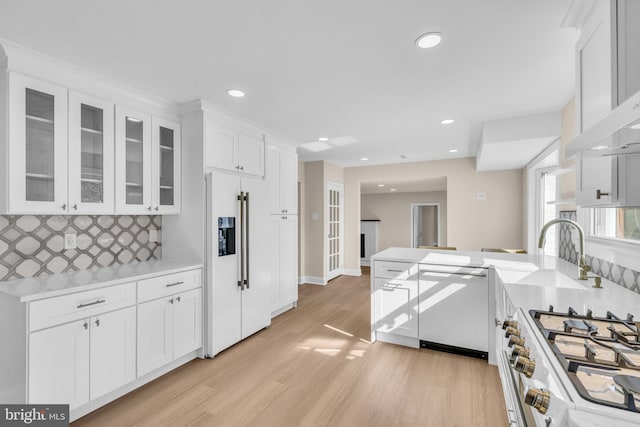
[[599, 147], [453, 150], [447, 121], [236, 93], [323, 138], [364, 159], [428, 40], [393, 189], [380, 185]]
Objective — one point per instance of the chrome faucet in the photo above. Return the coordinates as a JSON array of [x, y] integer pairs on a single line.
[[582, 264]]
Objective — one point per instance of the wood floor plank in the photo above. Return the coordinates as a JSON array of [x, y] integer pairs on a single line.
[[314, 367]]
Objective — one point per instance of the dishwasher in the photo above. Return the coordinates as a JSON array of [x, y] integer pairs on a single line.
[[454, 309]]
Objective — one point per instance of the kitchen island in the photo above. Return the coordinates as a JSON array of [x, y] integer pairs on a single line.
[[526, 307]]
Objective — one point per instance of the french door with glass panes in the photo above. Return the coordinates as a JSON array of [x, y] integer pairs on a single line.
[[91, 155], [38, 146], [133, 161], [335, 215]]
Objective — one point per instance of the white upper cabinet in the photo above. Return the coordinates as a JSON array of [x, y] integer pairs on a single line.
[[166, 166], [282, 180], [250, 154], [133, 161], [628, 37], [37, 176], [91, 155], [595, 58], [232, 150]]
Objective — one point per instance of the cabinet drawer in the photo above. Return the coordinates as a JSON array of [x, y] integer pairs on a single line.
[[67, 308], [396, 270], [170, 284]]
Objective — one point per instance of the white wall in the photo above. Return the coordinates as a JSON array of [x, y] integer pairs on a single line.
[[394, 212]]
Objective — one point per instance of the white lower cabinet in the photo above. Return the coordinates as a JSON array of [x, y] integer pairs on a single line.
[[168, 328], [396, 306], [59, 364], [284, 262], [82, 360], [88, 348]]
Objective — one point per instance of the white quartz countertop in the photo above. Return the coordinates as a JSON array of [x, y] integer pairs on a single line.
[[65, 283], [533, 281]]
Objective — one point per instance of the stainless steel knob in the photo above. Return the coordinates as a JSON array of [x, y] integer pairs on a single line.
[[514, 340], [539, 399], [511, 331], [525, 365]]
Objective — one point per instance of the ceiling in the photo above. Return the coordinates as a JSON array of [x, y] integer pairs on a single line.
[[334, 68]]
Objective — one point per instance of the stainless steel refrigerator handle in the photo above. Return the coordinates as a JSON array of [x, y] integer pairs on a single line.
[[246, 218], [241, 281]]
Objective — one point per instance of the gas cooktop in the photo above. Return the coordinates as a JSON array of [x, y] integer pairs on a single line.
[[601, 355]]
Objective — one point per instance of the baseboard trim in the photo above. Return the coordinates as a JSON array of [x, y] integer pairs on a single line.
[[352, 272], [310, 280]]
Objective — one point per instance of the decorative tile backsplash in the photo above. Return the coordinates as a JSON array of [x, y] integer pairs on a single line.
[[33, 245], [623, 276]]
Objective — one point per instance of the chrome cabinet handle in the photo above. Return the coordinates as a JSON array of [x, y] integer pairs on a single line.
[[394, 270], [174, 284], [100, 301], [246, 219]]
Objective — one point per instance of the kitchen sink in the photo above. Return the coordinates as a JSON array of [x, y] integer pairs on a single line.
[[540, 278]]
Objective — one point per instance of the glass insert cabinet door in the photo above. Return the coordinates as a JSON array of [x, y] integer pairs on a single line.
[[133, 161], [166, 167], [91, 155], [38, 145]]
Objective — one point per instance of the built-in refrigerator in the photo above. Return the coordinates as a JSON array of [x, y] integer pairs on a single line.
[[238, 273]]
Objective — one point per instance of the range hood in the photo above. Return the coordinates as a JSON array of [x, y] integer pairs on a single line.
[[618, 134]]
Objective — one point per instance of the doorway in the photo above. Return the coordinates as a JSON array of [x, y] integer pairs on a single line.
[[335, 215], [425, 224]]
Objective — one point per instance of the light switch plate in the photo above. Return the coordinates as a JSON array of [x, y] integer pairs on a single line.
[[153, 235], [70, 240]]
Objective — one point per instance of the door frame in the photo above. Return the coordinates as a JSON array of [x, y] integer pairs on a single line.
[[411, 219], [335, 186]]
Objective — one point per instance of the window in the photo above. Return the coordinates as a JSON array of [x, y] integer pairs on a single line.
[[617, 223], [548, 208]]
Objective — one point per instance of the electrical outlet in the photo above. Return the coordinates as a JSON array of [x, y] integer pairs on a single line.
[[70, 240], [153, 235], [482, 196]]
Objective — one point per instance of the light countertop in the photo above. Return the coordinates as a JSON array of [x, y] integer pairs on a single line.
[[35, 288], [533, 281]]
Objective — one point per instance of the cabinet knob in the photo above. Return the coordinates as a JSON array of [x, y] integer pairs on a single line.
[[241, 168], [149, 208], [599, 194], [64, 206], [75, 207], [238, 167], [157, 208], [97, 322], [178, 299], [171, 300], [86, 325]]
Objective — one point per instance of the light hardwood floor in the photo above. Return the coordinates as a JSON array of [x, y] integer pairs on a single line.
[[315, 367]]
